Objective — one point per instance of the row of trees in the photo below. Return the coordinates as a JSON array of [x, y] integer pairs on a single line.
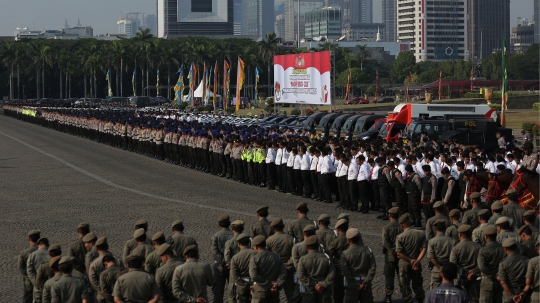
[[75, 68]]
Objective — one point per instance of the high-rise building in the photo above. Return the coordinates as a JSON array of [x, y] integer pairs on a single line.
[[521, 38], [536, 21], [279, 26], [363, 31], [257, 17], [489, 21], [357, 11], [150, 22], [195, 17], [294, 19], [525, 21], [389, 18], [129, 24], [436, 30], [237, 10], [323, 22], [366, 11]]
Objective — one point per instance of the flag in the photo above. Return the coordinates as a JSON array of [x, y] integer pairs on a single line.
[[348, 89], [472, 78], [216, 84], [504, 89], [239, 81], [256, 84], [409, 79], [226, 76], [108, 78], [179, 87], [157, 83], [204, 83], [190, 77], [376, 84], [208, 78], [133, 82], [440, 84]]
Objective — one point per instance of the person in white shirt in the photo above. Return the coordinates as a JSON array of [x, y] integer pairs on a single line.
[[326, 173], [343, 185], [511, 164], [270, 165], [291, 186], [399, 165], [373, 176], [352, 174], [468, 164], [315, 153], [488, 165], [305, 166], [279, 174], [435, 169], [297, 173], [363, 183]]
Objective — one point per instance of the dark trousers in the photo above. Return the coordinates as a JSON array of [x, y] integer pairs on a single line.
[[376, 202], [271, 172], [414, 207], [343, 189], [326, 180], [314, 183], [284, 181], [334, 185], [385, 198], [306, 179], [428, 208], [278, 178], [290, 180], [298, 182], [401, 202], [353, 194], [363, 193]]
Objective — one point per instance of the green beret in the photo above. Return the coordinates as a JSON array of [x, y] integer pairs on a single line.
[[55, 247], [89, 237], [139, 232], [324, 217], [224, 218], [343, 216], [134, 257], [158, 235], [440, 221], [394, 210], [162, 249], [511, 191], [277, 222], [438, 204], [258, 240], [341, 222], [190, 248], [141, 222], [352, 233], [41, 239], [475, 195], [33, 232], [301, 205], [404, 219], [238, 223], [455, 213], [262, 208], [83, 225], [522, 229], [483, 212], [310, 227], [508, 242], [501, 220], [65, 260], [528, 213], [464, 228], [54, 261], [101, 241], [242, 237], [177, 222], [496, 205], [312, 240], [490, 230]]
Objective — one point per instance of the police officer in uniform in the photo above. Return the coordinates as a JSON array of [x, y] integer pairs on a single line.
[[165, 273], [143, 248], [267, 273], [503, 228], [438, 209], [315, 273], [35, 259], [179, 241], [450, 190], [358, 267], [438, 253], [136, 285], [447, 291], [413, 186], [496, 209], [53, 264], [528, 219], [512, 271], [44, 271], [325, 234], [411, 247], [262, 227], [281, 244], [338, 246], [231, 249], [489, 258], [451, 231], [68, 289], [470, 217], [96, 267], [465, 255], [22, 260], [191, 279], [429, 191], [220, 270], [533, 277], [528, 245], [108, 277], [296, 226], [529, 159], [152, 260], [77, 248], [391, 262], [239, 264], [131, 244], [512, 209], [477, 234], [383, 179]]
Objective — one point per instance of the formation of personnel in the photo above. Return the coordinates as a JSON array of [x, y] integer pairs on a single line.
[[307, 260]]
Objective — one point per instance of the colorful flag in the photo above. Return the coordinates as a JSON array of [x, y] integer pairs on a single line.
[[179, 87], [208, 78], [239, 81], [108, 78], [409, 79], [348, 89], [190, 77], [204, 83], [256, 84], [440, 84], [157, 83], [216, 84], [376, 84], [504, 89], [133, 82], [226, 77]]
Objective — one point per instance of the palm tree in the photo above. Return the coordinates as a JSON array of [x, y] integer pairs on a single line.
[[267, 50], [363, 53], [10, 53], [349, 59], [143, 39], [117, 53], [168, 57]]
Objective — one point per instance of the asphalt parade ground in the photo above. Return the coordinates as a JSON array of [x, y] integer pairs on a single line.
[[52, 181]]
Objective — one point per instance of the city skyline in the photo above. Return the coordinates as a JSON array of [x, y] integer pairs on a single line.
[[52, 14]]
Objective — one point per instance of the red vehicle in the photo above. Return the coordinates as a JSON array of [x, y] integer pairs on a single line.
[[356, 100]]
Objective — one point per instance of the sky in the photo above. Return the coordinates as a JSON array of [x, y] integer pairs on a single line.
[[103, 14]]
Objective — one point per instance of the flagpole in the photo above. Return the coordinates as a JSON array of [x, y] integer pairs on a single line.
[[504, 90]]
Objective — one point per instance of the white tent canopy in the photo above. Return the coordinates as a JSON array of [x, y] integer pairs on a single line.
[[199, 92]]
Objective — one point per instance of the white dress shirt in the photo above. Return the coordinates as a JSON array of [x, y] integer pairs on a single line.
[[290, 160], [490, 166], [418, 169], [297, 164], [352, 172], [279, 156], [401, 168], [343, 169], [306, 162], [337, 171], [325, 164], [270, 155], [314, 161], [374, 172], [363, 173]]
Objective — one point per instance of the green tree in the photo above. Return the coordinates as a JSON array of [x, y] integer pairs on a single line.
[[363, 53], [358, 77], [404, 64], [268, 48]]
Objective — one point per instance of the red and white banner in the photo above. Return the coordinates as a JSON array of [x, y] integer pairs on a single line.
[[302, 78]]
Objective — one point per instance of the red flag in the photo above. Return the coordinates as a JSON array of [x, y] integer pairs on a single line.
[[440, 84]]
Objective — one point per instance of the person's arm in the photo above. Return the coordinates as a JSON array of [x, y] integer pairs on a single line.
[[30, 270], [117, 293], [449, 191], [433, 189], [282, 276], [329, 276], [21, 265], [156, 292], [235, 275], [418, 183], [303, 276], [177, 289], [502, 279], [400, 179], [372, 268]]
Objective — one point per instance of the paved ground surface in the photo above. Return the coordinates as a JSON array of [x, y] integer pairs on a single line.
[[52, 181]]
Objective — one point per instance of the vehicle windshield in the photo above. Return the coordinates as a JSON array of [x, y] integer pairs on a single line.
[[384, 129], [411, 127]]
